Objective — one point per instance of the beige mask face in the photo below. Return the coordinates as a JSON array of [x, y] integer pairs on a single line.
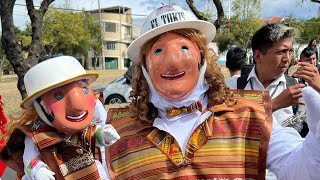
[[173, 64], [71, 105]]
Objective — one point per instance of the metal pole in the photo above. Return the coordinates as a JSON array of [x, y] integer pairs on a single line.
[[102, 35], [120, 41], [229, 15]]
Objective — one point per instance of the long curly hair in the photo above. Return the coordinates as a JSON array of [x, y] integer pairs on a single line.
[[217, 93], [27, 117]]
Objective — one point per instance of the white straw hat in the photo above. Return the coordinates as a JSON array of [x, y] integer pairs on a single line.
[[168, 18], [51, 74]]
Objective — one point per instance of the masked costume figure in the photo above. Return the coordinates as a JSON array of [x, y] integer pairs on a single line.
[[56, 136], [184, 123]]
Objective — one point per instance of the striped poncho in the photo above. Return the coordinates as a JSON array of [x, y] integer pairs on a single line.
[[230, 144]]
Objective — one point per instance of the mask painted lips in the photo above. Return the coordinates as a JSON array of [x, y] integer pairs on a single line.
[[172, 76], [78, 118]]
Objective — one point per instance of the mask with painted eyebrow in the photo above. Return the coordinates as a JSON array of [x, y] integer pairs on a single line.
[[83, 83], [173, 66]]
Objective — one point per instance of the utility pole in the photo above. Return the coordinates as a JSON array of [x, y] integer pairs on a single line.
[[120, 41], [102, 35], [229, 16]]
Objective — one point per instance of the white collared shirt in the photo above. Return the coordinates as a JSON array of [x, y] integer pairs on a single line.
[[289, 156], [275, 88], [232, 81]]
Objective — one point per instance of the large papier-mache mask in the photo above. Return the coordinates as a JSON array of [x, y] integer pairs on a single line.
[[173, 61], [59, 90]]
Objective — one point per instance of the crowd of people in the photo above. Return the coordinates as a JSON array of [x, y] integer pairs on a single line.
[[272, 53], [185, 120]]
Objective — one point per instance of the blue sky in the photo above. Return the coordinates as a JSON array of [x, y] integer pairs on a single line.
[[141, 8]]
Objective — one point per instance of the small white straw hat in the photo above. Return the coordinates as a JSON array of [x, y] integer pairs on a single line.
[[168, 18], [51, 74]]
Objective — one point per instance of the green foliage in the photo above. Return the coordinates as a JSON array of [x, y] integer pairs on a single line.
[[4, 63], [224, 40], [1, 51], [240, 33], [246, 9], [70, 33], [309, 29], [243, 24], [26, 38], [95, 32], [243, 30], [208, 15]]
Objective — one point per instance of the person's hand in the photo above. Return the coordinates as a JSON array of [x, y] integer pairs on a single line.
[[312, 99], [288, 97], [310, 74], [44, 174], [109, 135]]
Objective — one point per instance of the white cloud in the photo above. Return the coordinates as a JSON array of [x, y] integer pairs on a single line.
[[141, 8], [292, 8]]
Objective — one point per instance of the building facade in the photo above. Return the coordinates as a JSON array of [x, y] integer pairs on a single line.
[[117, 33]]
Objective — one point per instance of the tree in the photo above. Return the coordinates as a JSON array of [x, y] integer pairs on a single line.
[[220, 13], [243, 24], [75, 37], [309, 29], [10, 43], [2, 60], [243, 30], [95, 40], [224, 40], [246, 9], [315, 1]]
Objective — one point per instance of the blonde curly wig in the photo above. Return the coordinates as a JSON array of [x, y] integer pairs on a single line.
[[140, 106], [27, 117]]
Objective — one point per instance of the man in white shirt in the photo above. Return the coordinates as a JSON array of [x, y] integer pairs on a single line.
[[272, 48], [308, 72], [235, 59]]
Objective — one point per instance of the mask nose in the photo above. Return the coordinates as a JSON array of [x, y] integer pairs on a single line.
[[171, 56], [75, 101]]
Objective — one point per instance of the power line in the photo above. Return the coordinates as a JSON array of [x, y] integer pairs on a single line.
[[70, 9]]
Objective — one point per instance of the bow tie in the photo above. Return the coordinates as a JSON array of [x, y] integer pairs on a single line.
[[183, 110]]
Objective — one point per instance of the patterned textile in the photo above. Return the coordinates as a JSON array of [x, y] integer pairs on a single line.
[[70, 157], [183, 110], [231, 144]]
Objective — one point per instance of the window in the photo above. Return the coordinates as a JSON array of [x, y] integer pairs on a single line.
[[110, 27], [127, 30], [111, 63], [127, 62], [110, 45]]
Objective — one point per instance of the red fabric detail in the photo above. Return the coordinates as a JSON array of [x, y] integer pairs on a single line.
[[3, 122], [34, 162]]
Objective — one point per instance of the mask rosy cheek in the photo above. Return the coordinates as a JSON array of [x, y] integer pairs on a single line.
[[54, 107], [91, 101]]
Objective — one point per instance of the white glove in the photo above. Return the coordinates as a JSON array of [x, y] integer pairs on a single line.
[[44, 174], [311, 99], [108, 134]]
